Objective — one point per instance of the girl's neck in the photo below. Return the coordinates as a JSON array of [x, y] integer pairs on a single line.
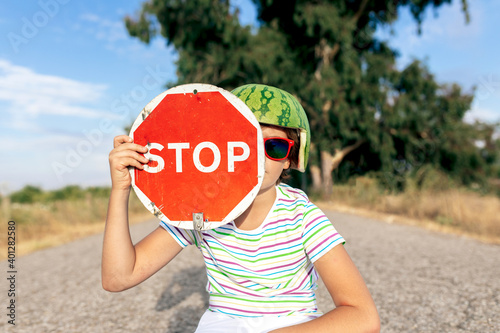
[[253, 217]]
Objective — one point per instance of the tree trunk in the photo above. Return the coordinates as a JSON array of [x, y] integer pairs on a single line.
[[327, 168], [325, 55], [316, 178], [331, 162]]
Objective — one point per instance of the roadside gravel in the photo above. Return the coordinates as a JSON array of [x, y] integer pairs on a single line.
[[421, 281]]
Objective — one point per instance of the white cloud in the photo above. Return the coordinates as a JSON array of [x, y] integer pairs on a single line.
[[90, 17], [450, 24], [488, 86], [482, 114], [27, 92], [104, 29], [447, 27], [113, 35]]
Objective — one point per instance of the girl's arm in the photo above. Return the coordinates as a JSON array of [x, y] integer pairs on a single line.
[[123, 264], [355, 310]]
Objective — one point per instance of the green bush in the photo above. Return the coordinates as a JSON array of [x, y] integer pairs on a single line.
[[70, 192], [28, 194]]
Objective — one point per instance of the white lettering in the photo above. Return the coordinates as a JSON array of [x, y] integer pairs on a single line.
[[40, 19], [94, 136], [178, 153], [153, 157], [196, 157], [138, 93], [84, 148], [179, 146], [73, 160], [28, 30], [231, 158], [50, 7], [16, 40], [60, 169]]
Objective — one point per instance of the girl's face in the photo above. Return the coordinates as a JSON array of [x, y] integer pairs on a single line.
[[273, 168]]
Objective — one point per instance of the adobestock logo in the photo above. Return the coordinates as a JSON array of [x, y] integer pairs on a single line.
[[488, 85], [122, 108], [31, 27], [136, 96], [84, 148]]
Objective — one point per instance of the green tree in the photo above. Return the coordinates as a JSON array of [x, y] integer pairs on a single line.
[[69, 192], [425, 121], [28, 194], [326, 53], [208, 37]]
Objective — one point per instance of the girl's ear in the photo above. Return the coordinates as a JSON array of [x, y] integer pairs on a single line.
[[286, 166]]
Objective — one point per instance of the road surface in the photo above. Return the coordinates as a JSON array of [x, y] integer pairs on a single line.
[[421, 281]]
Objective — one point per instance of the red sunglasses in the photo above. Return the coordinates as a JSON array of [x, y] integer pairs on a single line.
[[277, 148]]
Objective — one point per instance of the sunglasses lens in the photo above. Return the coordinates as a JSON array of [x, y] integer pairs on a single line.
[[276, 148]]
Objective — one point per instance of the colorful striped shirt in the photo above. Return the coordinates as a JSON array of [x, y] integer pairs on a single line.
[[268, 270]]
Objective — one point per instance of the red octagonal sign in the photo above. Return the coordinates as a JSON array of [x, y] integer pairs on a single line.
[[206, 156]]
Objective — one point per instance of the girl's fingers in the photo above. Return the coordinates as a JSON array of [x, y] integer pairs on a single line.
[[128, 154], [133, 163], [120, 139], [123, 142], [139, 148], [124, 163], [126, 142]]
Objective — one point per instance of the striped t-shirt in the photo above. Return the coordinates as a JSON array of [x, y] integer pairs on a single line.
[[268, 270]]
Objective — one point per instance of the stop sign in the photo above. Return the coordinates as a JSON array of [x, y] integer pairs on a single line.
[[206, 157]]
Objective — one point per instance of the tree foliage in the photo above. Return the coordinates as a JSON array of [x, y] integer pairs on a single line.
[[32, 194], [366, 115], [27, 194]]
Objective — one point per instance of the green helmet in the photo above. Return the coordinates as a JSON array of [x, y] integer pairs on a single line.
[[274, 106]]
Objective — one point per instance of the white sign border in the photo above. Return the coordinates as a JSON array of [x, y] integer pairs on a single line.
[[246, 112]]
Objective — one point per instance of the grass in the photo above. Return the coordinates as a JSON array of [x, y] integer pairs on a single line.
[[446, 209], [454, 210], [45, 225]]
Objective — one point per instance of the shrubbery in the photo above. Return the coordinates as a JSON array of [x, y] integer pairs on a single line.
[[33, 194]]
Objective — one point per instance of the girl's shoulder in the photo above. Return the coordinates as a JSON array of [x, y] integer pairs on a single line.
[[296, 200], [293, 198], [291, 193]]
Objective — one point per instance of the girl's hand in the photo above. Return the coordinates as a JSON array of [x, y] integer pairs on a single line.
[[125, 154]]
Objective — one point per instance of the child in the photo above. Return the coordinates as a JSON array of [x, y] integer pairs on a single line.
[[262, 267]]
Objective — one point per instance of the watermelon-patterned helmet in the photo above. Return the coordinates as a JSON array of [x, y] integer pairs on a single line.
[[274, 106]]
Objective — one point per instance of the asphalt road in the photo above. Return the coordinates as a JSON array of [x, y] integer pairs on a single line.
[[421, 281]]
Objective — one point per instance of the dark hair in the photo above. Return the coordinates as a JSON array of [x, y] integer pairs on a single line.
[[293, 157]]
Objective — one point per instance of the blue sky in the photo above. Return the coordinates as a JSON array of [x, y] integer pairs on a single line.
[[71, 79]]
